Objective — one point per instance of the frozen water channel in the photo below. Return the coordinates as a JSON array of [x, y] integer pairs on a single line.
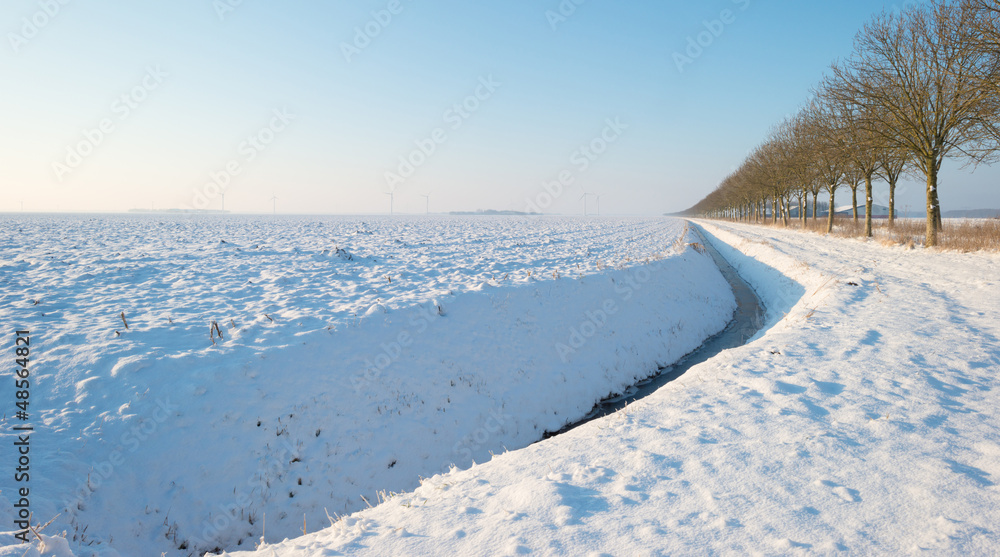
[[747, 320]]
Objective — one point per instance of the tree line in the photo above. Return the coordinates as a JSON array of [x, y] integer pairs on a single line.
[[921, 86]]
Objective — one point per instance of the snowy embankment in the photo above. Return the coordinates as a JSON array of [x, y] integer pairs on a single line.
[[356, 357], [863, 418]]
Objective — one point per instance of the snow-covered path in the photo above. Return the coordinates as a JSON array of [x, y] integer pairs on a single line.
[[863, 418]]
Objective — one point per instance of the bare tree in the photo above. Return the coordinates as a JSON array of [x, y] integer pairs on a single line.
[[989, 22], [815, 185], [918, 76], [852, 179], [987, 41], [802, 168], [766, 172], [791, 169], [892, 164], [823, 132], [861, 145]]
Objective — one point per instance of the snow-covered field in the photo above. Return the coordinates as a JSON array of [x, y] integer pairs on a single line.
[[356, 356], [863, 419]]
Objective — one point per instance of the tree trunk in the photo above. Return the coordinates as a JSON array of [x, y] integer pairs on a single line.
[[803, 207], [932, 201], [829, 220], [868, 206], [892, 203], [854, 201], [784, 217], [815, 204]]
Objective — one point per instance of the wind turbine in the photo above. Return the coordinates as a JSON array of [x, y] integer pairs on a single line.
[[274, 201], [392, 198], [584, 198], [598, 204], [223, 202], [427, 199]]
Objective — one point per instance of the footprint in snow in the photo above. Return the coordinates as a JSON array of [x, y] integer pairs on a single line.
[[845, 493], [829, 388], [788, 388]]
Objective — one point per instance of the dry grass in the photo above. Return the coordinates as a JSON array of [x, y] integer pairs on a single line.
[[963, 235], [971, 235]]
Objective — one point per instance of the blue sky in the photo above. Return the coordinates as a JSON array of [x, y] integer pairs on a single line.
[[493, 102]]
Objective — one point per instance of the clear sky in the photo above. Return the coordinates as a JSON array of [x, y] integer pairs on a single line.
[[112, 105]]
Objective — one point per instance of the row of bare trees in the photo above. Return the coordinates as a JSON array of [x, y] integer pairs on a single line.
[[922, 86]]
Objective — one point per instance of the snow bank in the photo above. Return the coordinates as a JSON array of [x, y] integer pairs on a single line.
[[863, 419], [164, 440]]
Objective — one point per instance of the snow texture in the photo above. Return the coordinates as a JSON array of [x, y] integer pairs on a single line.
[[356, 356], [862, 419]]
